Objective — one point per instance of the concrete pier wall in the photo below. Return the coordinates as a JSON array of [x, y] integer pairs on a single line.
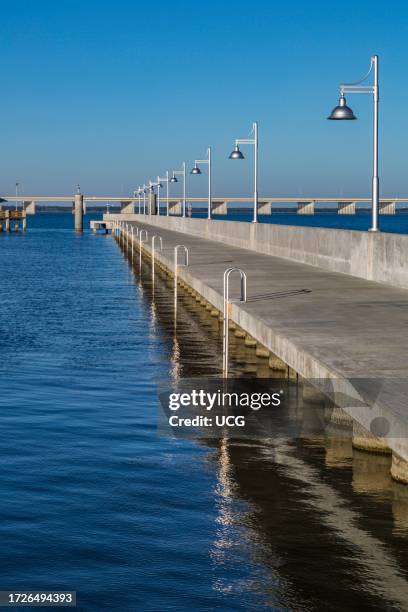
[[379, 257], [327, 342]]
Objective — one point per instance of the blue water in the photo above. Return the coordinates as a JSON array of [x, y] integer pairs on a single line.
[[92, 500], [397, 224]]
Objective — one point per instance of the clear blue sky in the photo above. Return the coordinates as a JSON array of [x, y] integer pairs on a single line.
[[110, 93]]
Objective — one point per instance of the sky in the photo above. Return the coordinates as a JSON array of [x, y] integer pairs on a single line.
[[109, 94]]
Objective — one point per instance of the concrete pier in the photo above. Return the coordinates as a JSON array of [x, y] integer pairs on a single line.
[[323, 324], [381, 257], [79, 212], [13, 220]]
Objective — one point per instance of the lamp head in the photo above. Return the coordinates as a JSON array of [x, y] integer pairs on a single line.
[[342, 112], [195, 170], [236, 153], [174, 179]]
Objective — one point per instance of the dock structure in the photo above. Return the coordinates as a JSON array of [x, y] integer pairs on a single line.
[[324, 323], [13, 220]]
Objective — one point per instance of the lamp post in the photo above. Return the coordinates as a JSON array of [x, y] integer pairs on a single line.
[[342, 112], [174, 179], [161, 180], [237, 154], [159, 186], [139, 195], [196, 170]]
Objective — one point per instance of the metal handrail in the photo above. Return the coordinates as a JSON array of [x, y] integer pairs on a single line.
[[143, 231], [176, 248], [176, 265], [243, 298], [153, 251], [132, 240], [153, 247]]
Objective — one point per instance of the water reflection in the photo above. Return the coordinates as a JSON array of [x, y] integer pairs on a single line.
[[322, 524]]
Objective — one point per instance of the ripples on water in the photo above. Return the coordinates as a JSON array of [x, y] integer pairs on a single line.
[[396, 224], [92, 500]]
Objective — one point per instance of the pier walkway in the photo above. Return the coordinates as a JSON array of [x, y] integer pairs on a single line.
[[321, 323], [336, 324]]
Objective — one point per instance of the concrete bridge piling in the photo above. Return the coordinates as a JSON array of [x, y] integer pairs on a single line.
[[219, 207], [79, 212], [346, 208], [29, 207], [387, 208], [175, 207], [265, 208], [306, 208], [127, 207]]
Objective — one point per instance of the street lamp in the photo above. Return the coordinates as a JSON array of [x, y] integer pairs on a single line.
[[196, 170], [343, 112], [174, 179], [237, 154], [139, 194]]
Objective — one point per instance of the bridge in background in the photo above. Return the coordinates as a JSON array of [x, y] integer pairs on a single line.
[[219, 204], [131, 205]]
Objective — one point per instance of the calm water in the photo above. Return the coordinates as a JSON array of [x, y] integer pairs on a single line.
[[92, 500], [397, 224]]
